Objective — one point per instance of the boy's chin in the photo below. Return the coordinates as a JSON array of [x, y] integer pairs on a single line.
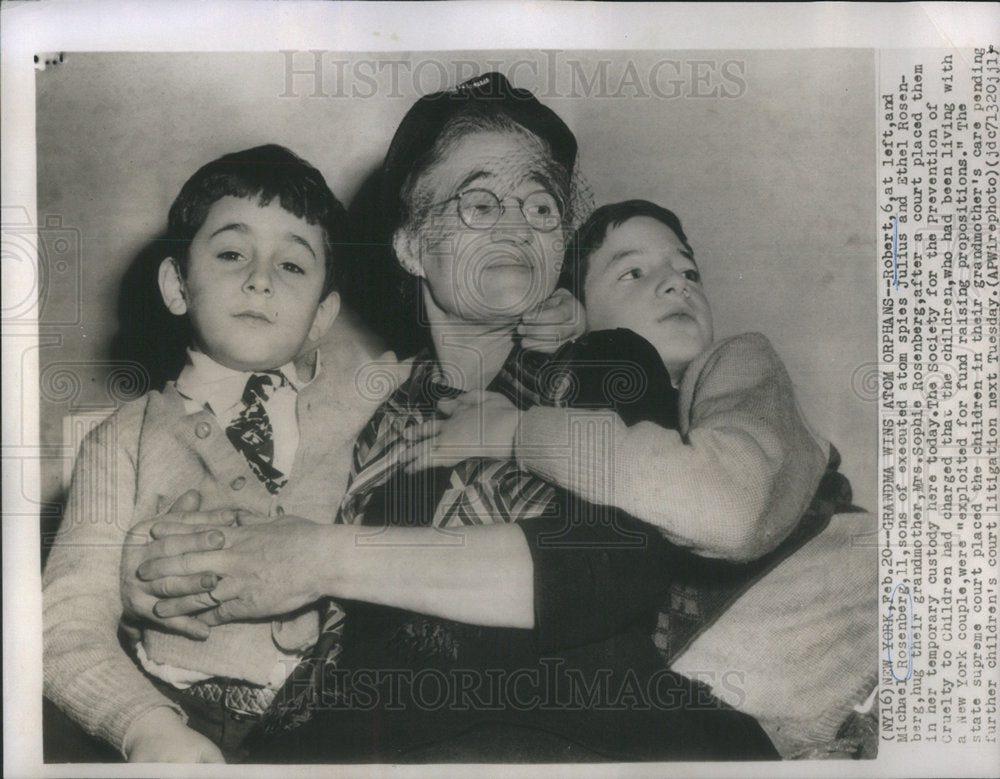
[[250, 363], [677, 360]]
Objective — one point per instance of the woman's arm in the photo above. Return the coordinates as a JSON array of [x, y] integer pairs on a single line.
[[572, 580], [481, 575], [573, 575], [733, 489]]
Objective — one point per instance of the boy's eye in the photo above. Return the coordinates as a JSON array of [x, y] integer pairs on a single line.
[[631, 274], [692, 275], [292, 267], [230, 256]]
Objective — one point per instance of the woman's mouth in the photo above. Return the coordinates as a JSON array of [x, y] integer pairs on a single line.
[[507, 261], [509, 265]]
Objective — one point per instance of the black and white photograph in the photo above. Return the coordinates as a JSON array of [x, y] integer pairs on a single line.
[[420, 404]]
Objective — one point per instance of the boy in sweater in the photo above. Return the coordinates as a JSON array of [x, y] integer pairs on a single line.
[[250, 423], [706, 441]]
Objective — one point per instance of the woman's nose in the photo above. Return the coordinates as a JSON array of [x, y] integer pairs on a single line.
[[512, 223], [258, 279]]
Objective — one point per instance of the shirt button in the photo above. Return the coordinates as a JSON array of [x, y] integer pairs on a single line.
[[238, 483], [203, 430], [279, 510]]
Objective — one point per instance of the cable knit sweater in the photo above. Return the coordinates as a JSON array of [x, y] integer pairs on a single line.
[[138, 462], [732, 483]]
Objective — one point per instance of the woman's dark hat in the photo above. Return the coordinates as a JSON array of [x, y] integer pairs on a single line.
[[488, 94]]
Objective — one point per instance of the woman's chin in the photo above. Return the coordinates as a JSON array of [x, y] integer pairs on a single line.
[[503, 302], [482, 315]]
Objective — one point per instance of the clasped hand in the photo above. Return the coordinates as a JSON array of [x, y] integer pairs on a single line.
[[222, 565], [560, 318]]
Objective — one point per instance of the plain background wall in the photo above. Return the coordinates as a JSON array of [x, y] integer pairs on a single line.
[[775, 186]]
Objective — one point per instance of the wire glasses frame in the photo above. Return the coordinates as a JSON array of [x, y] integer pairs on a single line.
[[481, 209]]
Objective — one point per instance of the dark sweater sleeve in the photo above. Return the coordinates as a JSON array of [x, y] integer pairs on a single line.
[[596, 571], [617, 370]]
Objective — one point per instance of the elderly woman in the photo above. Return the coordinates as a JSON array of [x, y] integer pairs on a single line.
[[490, 613]]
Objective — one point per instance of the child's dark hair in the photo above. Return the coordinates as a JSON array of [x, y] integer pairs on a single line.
[[264, 173], [590, 236]]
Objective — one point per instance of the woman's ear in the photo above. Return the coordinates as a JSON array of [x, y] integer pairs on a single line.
[[327, 311], [172, 287], [406, 246]]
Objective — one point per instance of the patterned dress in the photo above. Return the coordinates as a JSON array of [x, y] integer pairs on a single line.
[[476, 491]]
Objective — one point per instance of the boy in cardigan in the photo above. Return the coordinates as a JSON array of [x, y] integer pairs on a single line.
[[249, 423], [706, 441]]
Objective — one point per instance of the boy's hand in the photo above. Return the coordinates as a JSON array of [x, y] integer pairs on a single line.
[[159, 736], [477, 424], [140, 597], [560, 318]]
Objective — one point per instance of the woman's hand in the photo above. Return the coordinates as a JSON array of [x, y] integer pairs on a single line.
[[265, 569], [477, 424], [159, 736], [560, 318], [194, 534]]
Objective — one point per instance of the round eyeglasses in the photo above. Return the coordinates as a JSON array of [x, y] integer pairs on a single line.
[[481, 209]]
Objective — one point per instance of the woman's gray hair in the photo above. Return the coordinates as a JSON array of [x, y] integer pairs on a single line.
[[416, 202]]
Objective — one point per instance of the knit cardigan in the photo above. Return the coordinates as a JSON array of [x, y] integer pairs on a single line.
[[731, 483], [135, 465]]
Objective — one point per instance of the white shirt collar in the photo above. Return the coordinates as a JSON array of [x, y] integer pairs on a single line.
[[209, 383]]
